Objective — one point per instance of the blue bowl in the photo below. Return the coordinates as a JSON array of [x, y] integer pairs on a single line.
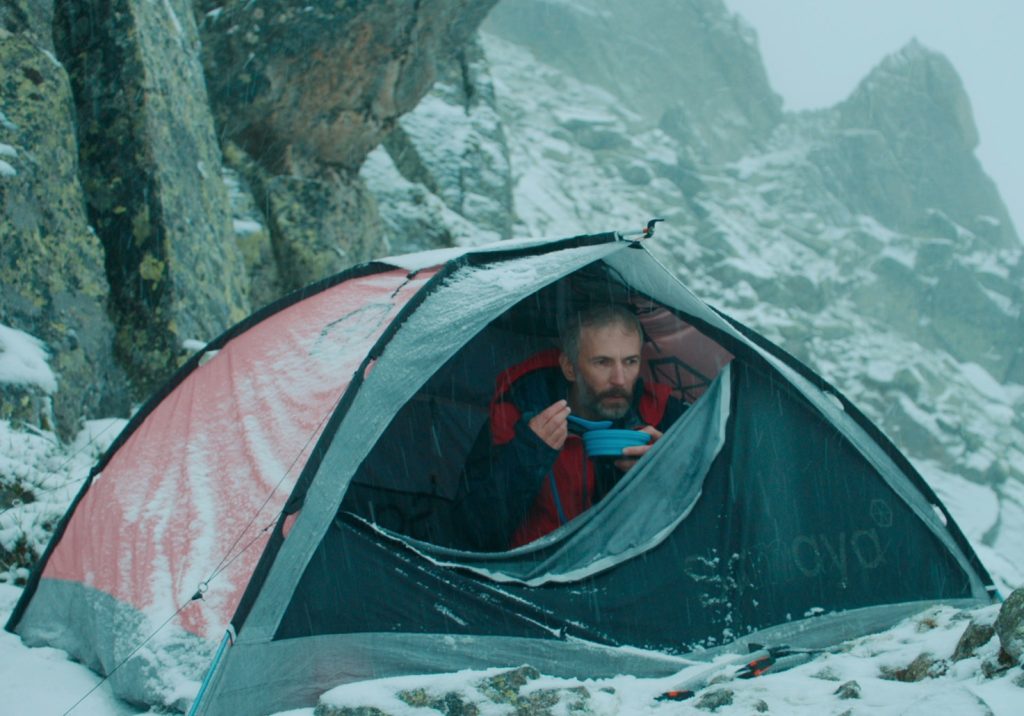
[[610, 442]]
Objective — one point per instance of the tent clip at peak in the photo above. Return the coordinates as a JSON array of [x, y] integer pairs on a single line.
[[637, 236]]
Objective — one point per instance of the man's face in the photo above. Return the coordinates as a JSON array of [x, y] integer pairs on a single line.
[[604, 375]]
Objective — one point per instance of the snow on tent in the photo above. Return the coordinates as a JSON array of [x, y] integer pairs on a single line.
[[295, 484]]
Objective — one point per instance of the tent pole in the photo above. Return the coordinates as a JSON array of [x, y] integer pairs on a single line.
[[224, 644]]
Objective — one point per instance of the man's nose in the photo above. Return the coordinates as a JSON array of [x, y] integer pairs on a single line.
[[618, 375]]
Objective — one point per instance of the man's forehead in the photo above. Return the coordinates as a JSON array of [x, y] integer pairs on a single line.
[[615, 336]]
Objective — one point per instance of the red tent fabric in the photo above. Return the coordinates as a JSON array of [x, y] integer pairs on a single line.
[[190, 493]]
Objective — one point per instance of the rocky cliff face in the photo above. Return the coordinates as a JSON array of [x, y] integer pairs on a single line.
[[52, 282], [442, 176], [689, 65], [304, 93], [150, 168], [170, 166]]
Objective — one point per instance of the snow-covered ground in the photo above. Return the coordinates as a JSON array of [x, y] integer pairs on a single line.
[[820, 686], [44, 681]]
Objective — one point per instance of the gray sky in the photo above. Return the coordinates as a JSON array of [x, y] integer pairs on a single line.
[[816, 51]]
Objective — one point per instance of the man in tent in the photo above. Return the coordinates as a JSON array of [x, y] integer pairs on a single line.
[[528, 472]]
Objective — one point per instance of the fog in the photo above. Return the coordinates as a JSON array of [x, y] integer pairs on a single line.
[[815, 53]]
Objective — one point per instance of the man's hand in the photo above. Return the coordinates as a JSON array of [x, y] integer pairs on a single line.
[[551, 424], [635, 452]]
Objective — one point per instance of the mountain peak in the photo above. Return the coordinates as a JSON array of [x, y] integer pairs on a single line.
[[910, 90]]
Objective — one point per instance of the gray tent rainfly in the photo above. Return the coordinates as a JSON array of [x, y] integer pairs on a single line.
[[297, 482]]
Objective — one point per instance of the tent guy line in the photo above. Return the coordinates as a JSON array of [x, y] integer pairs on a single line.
[[106, 677]]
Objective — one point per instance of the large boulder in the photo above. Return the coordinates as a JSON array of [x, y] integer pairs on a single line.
[[306, 92], [151, 168], [52, 281], [322, 81], [1009, 626]]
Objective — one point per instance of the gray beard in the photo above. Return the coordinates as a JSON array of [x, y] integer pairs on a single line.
[[591, 401]]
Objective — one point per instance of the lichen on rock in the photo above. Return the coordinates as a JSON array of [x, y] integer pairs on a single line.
[[52, 280], [151, 171]]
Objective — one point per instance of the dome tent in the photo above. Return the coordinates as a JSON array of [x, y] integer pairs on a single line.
[[295, 482]]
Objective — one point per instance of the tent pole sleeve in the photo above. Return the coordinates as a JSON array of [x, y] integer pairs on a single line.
[[214, 668]]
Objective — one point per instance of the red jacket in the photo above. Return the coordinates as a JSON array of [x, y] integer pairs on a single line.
[[570, 485]]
